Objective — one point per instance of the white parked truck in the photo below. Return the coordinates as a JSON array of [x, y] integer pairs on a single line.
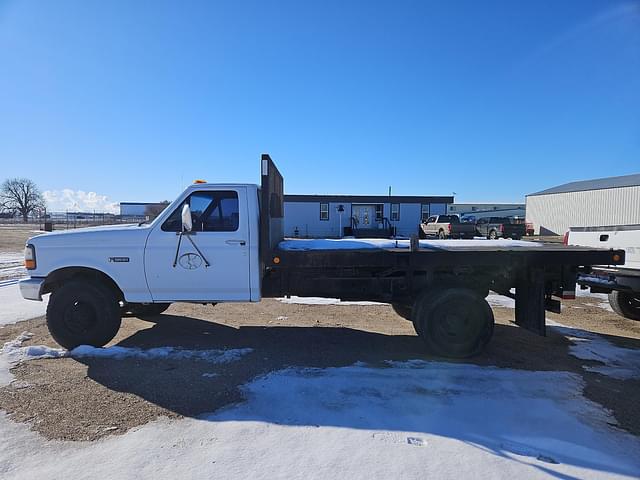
[[224, 243], [621, 282]]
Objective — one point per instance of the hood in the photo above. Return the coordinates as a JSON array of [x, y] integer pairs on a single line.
[[92, 235]]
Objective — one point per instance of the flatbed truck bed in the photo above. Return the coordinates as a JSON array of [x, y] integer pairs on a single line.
[[440, 285]]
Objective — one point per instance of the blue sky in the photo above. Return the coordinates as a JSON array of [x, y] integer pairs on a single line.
[[491, 100]]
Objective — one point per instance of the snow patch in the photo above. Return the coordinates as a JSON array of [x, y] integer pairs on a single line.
[[14, 353], [368, 243], [118, 353], [617, 362], [496, 300], [14, 308], [293, 300], [449, 420]]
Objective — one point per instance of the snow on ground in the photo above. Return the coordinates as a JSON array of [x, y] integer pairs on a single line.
[[496, 300], [11, 265], [603, 298], [119, 353], [366, 243], [322, 301], [617, 362], [410, 420], [14, 308], [13, 353]]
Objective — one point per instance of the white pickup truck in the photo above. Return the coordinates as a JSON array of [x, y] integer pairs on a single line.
[[224, 243], [621, 282]]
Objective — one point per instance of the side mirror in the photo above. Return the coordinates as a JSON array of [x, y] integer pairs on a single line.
[[187, 224]]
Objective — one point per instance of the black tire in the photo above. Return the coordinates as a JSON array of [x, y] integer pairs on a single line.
[[144, 310], [402, 310], [493, 235], [441, 235], [82, 312], [625, 304], [454, 322]]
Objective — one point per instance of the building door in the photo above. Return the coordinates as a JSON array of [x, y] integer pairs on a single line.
[[365, 216]]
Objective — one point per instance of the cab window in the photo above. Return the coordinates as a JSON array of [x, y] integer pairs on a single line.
[[210, 212]]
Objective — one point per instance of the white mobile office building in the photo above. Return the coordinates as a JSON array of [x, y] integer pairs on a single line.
[[359, 215], [589, 203]]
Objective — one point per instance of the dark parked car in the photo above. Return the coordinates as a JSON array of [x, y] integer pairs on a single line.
[[500, 227]]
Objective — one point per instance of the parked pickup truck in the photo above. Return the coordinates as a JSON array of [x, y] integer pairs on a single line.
[[622, 283], [500, 227], [224, 243], [446, 226]]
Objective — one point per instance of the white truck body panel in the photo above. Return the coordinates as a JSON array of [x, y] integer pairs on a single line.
[[139, 259], [96, 248], [626, 237]]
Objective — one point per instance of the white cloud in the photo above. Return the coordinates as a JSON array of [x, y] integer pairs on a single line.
[[78, 201]]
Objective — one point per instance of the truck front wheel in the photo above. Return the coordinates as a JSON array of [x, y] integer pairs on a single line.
[[402, 310], [83, 312], [454, 322], [625, 304]]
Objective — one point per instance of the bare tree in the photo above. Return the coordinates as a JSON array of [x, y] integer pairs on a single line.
[[21, 195], [155, 209]]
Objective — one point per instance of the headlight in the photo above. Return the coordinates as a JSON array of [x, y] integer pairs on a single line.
[[30, 257]]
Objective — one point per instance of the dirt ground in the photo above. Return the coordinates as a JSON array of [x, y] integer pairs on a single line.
[[89, 398], [14, 237], [86, 399]]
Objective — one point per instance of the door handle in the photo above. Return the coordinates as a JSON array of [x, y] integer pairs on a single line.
[[235, 242]]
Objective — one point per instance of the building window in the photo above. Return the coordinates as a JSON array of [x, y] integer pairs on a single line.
[[452, 208], [379, 213], [324, 211], [395, 212], [424, 211]]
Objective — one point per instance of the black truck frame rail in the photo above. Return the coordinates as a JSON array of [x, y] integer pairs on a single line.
[[415, 278]]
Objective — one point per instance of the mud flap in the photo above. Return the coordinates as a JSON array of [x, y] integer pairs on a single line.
[[530, 301]]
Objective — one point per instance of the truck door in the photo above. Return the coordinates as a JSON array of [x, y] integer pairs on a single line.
[[212, 263]]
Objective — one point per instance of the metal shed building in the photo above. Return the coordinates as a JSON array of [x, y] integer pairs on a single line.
[[589, 203]]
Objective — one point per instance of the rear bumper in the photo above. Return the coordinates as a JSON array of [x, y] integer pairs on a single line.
[[31, 288]]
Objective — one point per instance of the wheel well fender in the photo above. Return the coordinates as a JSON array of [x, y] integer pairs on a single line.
[[57, 277]]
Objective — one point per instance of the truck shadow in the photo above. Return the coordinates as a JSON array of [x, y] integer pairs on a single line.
[[196, 388], [192, 387]]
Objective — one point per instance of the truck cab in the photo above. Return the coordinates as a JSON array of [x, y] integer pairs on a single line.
[[217, 261]]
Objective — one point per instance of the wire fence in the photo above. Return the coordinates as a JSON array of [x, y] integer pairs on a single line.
[[67, 220]]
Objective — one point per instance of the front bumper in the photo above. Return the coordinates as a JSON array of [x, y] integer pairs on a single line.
[[31, 288]]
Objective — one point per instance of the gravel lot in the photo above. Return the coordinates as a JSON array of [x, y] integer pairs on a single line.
[[86, 399], [90, 398]]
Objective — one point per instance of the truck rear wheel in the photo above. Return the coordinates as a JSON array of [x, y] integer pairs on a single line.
[[82, 312], [492, 235], [625, 304], [454, 322], [441, 235]]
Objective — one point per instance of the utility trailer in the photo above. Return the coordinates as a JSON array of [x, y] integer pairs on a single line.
[[224, 243]]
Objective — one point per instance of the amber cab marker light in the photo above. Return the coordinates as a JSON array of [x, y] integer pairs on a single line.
[[199, 181]]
